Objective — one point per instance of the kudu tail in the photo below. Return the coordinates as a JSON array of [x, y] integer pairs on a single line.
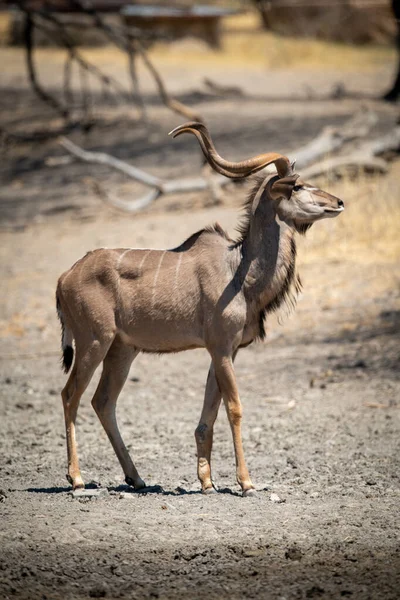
[[66, 340]]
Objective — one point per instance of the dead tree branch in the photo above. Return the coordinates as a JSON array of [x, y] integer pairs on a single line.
[[158, 186], [62, 38], [132, 206], [106, 159], [45, 96], [352, 162], [128, 40], [332, 139], [168, 100], [364, 156]]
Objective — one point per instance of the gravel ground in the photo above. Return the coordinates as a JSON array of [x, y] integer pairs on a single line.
[[321, 403]]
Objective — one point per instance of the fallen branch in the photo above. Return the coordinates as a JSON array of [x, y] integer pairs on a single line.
[[106, 159], [159, 186], [332, 139], [387, 143], [223, 90], [364, 156], [40, 135], [345, 163], [125, 206]]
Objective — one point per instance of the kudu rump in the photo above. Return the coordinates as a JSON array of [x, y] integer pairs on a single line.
[[210, 292]]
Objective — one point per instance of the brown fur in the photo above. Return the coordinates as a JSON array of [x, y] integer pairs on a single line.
[[210, 292]]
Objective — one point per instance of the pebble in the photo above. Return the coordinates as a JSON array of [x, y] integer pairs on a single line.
[[277, 499], [99, 493]]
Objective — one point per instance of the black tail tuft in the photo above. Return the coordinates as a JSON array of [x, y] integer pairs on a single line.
[[68, 357]]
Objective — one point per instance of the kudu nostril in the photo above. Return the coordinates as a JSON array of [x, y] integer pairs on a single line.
[[340, 204]]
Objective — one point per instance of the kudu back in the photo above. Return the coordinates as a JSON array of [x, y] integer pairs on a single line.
[[210, 292]]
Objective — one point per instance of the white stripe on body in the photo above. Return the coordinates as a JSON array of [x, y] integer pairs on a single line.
[[144, 257], [121, 256], [156, 278], [178, 266]]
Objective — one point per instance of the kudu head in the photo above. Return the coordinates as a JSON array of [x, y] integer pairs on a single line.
[[297, 203]]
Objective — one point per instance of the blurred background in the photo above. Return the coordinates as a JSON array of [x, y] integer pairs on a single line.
[[89, 90], [316, 80]]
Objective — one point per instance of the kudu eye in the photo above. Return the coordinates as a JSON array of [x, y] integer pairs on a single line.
[[296, 188]]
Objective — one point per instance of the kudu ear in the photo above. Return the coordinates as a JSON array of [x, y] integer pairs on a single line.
[[283, 187]]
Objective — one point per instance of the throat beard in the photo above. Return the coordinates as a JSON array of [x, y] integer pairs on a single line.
[[302, 228]]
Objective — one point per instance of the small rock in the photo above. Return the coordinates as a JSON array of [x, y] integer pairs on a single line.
[[94, 493], [83, 500], [99, 591], [360, 364], [24, 405], [315, 592], [277, 499], [293, 553]]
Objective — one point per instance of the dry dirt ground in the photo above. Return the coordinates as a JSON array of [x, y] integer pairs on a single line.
[[321, 396]]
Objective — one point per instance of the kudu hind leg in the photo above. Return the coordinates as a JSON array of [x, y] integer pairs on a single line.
[[115, 371], [227, 382], [204, 431], [86, 363]]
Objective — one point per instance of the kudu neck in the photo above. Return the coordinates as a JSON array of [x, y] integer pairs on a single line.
[[266, 231], [267, 250]]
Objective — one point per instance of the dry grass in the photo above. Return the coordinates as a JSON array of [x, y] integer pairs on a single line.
[[243, 42], [368, 230], [350, 265]]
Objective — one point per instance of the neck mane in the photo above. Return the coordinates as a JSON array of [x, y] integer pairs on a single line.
[[268, 250]]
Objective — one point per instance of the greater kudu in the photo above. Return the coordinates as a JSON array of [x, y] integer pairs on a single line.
[[210, 292]]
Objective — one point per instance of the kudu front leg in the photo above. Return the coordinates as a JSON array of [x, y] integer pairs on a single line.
[[225, 376], [204, 431]]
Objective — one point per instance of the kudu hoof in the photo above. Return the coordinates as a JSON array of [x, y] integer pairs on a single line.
[[209, 491], [138, 485], [77, 485], [250, 493]]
